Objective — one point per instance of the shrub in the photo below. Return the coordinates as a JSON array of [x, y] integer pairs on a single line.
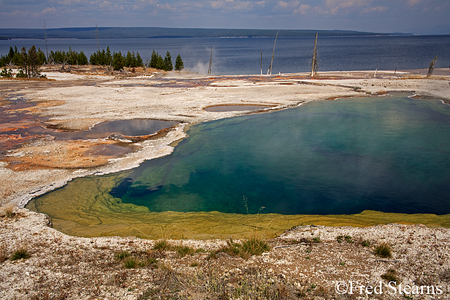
[[162, 245], [383, 250], [347, 238], [255, 246], [365, 243], [184, 250], [121, 255], [152, 261], [20, 254], [21, 74], [6, 73], [316, 239], [130, 263], [390, 275]]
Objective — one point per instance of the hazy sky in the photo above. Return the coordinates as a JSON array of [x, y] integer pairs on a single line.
[[412, 16]]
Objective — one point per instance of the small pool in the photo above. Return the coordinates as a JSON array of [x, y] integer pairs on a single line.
[[133, 127]]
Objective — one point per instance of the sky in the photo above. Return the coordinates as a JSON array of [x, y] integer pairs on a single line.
[[385, 16]]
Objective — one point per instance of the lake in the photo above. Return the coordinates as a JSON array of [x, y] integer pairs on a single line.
[[242, 55]]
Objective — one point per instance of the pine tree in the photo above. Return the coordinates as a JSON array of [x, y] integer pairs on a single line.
[[129, 60], [118, 61], [42, 58], [108, 58], [168, 66], [179, 63], [17, 56], [139, 62], [23, 62], [159, 62], [11, 53], [153, 60], [33, 62], [93, 59], [82, 59], [103, 59]]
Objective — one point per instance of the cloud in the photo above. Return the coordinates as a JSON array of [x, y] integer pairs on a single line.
[[302, 9], [414, 2], [282, 4], [376, 9], [71, 2], [236, 5], [295, 7], [48, 10], [384, 15], [336, 6]]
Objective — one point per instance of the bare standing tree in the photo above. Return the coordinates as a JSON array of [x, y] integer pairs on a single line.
[[261, 63], [96, 37], [210, 63], [431, 68], [315, 64], [269, 72], [45, 37]]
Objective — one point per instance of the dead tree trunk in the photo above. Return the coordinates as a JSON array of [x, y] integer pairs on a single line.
[[261, 63], [210, 63], [46, 45], [96, 37], [315, 65], [273, 53], [431, 68]]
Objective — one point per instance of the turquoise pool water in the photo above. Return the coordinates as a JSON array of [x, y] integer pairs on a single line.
[[389, 154]]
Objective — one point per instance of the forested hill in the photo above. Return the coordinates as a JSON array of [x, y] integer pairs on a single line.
[[158, 32]]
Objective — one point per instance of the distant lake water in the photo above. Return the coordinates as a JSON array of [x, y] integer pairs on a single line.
[[389, 154], [234, 55]]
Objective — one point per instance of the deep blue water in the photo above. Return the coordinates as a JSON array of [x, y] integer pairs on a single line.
[[389, 154], [292, 54]]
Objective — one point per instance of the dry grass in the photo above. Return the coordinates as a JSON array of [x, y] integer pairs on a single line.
[[245, 249], [383, 250], [163, 245]]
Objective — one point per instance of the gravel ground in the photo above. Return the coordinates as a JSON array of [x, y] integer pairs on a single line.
[[307, 262]]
